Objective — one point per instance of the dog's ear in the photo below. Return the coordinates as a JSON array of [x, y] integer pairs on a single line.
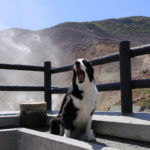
[[87, 63], [89, 70]]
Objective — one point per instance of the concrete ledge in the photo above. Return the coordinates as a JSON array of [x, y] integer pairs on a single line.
[[37, 141], [135, 126], [26, 139], [9, 119]]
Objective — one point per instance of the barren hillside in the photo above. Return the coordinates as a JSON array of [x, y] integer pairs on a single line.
[[63, 44]]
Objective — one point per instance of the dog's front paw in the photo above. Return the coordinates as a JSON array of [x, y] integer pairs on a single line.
[[67, 133], [92, 138], [89, 138]]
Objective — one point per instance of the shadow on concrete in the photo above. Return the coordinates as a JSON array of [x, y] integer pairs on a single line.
[[124, 141], [97, 145]]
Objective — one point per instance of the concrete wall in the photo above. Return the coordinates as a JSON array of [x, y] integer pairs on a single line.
[[26, 139], [8, 139]]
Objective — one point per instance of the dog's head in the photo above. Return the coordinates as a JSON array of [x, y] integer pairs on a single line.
[[83, 71]]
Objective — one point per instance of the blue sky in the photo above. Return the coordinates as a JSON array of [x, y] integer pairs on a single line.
[[39, 14]]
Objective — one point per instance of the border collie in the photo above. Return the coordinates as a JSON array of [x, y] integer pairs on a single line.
[[75, 116]]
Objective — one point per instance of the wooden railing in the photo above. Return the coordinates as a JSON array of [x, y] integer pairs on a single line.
[[125, 85]]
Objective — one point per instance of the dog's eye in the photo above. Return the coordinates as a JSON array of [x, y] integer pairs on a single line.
[[85, 62]]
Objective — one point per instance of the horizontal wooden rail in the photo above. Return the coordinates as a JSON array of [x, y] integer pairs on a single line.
[[142, 50], [105, 59], [109, 87], [22, 88], [21, 67], [100, 87], [143, 83], [56, 90], [62, 69]]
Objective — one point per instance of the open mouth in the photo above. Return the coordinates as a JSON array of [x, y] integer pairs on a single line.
[[81, 76]]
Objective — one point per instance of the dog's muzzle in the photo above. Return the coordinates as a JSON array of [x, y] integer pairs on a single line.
[[80, 74]]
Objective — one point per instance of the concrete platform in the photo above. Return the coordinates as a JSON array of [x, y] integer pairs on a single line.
[[134, 126]]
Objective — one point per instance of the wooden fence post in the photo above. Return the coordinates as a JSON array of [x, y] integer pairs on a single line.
[[125, 77], [47, 84]]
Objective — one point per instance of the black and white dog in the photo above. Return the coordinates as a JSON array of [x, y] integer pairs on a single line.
[[75, 116]]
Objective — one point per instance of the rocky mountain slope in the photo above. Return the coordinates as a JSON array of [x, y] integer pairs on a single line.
[[63, 44]]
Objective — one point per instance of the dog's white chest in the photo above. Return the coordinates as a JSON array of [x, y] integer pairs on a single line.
[[88, 102], [85, 106], [82, 118]]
